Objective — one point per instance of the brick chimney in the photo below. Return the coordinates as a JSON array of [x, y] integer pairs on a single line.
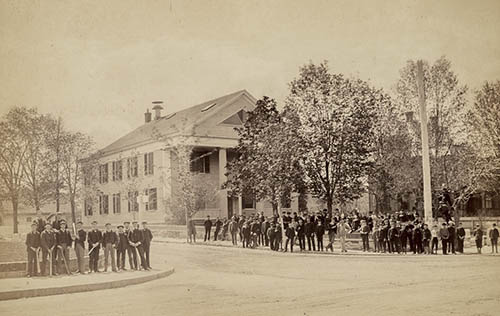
[[157, 108], [147, 116]]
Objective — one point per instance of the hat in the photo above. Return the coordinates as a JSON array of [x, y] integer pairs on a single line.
[[79, 222], [144, 222], [120, 226], [126, 222], [34, 224], [62, 221], [94, 222], [107, 224]]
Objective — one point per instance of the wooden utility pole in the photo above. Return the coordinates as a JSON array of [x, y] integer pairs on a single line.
[[426, 165]]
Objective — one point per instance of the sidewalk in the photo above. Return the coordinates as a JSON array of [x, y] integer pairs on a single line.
[[44, 286], [350, 251]]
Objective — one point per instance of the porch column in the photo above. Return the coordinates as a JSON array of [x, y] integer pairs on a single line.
[[222, 179]]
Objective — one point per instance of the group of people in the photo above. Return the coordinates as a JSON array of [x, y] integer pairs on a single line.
[[50, 243], [400, 232]]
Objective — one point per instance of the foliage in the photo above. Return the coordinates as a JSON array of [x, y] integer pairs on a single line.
[[267, 166], [334, 118]]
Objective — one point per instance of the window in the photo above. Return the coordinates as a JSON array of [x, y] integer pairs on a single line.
[[151, 204], [247, 201], [488, 203], [148, 164], [103, 204], [103, 173], [88, 207], [200, 162], [117, 170], [133, 205], [116, 203], [28, 219], [87, 177], [132, 167]]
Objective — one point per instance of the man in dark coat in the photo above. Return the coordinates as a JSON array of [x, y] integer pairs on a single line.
[[32, 246], [137, 240], [208, 228], [310, 230], [128, 231], [290, 237], [148, 236], [444, 235], [263, 229], [94, 238], [320, 232], [301, 235], [394, 236], [452, 236], [460, 238], [417, 240], [494, 238], [48, 243], [218, 226], [121, 247]]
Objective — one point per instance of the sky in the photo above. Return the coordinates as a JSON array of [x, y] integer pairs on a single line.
[[99, 64]]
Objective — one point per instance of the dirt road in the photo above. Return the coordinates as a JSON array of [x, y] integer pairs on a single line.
[[235, 281]]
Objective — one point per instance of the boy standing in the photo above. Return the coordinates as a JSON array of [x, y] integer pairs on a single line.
[[435, 239], [365, 230], [444, 234], [109, 241], [95, 240], [32, 246], [427, 235]]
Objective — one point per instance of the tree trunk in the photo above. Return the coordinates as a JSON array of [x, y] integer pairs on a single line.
[[15, 204], [73, 210], [329, 205]]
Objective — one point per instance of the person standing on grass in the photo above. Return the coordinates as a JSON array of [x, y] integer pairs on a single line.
[[309, 231], [444, 235], [80, 238], [191, 230], [478, 234], [301, 234], [343, 228], [427, 236], [218, 226], [332, 231], [148, 237], [208, 228], [460, 238], [435, 239], [109, 241], [320, 232], [32, 246], [494, 238], [365, 230], [453, 234]]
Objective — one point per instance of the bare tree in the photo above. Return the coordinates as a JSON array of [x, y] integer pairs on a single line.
[[76, 147], [14, 145]]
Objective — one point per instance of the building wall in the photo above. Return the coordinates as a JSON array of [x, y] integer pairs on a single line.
[[160, 179]]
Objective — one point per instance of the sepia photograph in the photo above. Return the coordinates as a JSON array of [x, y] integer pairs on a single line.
[[249, 157]]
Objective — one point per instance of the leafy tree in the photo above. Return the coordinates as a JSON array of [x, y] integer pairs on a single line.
[[445, 101], [334, 119], [267, 166]]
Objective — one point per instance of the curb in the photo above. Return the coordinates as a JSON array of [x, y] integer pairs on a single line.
[[10, 295]]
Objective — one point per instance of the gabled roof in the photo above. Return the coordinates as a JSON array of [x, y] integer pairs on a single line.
[[173, 123]]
